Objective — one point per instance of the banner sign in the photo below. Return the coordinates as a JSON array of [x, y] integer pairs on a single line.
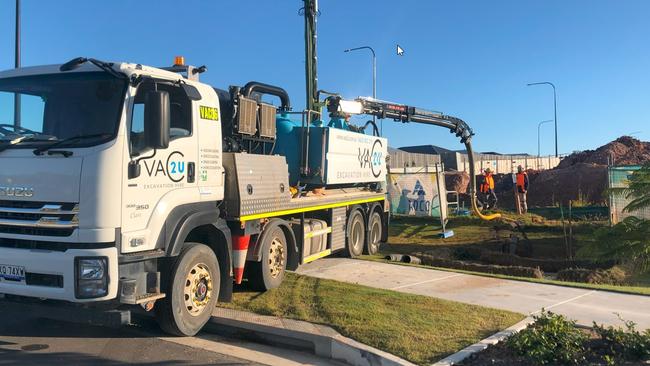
[[415, 194]]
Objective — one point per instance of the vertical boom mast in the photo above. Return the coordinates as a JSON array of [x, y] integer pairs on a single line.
[[311, 75]]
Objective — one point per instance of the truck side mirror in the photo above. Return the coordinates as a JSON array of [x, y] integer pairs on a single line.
[[156, 119], [134, 169]]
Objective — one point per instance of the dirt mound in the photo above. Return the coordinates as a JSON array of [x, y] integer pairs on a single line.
[[583, 183], [457, 181], [625, 150]]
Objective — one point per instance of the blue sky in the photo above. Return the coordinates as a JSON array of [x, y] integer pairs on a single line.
[[471, 59]]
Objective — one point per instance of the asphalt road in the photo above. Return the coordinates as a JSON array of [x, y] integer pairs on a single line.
[[583, 305], [25, 340]]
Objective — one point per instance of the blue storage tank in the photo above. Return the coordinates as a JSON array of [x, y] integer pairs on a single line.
[[336, 154], [287, 144]]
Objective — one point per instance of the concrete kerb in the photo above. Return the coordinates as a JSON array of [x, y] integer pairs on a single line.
[[321, 340], [483, 344]]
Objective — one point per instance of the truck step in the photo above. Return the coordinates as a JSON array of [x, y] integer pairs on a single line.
[[146, 298]]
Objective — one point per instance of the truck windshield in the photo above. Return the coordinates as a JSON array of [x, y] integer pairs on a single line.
[[56, 107]]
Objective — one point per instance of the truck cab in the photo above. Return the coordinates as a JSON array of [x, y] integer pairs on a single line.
[[123, 184], [98, 175]]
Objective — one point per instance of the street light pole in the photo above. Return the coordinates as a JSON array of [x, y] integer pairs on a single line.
[[17, 64], [554, 108], [538, 128], [374, 78]]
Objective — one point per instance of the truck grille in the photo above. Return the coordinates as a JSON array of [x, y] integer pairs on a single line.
[[38, 218]]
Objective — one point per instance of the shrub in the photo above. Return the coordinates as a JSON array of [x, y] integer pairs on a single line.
[[627, 242], [624, 343], [550, 339], [612, 276]]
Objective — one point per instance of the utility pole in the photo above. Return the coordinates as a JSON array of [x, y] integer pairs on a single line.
[[554, 108], [17, 65], [538, 128]]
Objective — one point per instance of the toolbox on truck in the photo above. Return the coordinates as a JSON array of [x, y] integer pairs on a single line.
[[255, 183]]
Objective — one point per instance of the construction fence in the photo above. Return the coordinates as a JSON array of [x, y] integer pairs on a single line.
[[618, 177], [402, 161], [504, 164]]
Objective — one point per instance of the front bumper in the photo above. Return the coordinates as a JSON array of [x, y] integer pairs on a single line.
[[59, 265]]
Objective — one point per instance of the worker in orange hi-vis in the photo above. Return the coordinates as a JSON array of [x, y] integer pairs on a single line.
[[522, 188], [488, 197]]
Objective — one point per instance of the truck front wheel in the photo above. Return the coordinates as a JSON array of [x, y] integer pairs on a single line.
[[269, 273], [192, 288]]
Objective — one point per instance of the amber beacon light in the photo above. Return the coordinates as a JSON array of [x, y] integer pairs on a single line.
[[179, 60]]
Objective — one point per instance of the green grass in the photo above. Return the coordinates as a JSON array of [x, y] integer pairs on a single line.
[[417, 328], [414, 234]]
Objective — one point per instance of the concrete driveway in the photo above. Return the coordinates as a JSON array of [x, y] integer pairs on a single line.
[[582, 305]]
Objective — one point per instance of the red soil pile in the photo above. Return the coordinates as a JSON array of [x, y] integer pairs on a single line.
[[625, 150]]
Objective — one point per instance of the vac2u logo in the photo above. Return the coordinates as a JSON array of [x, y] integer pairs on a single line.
[[173, 168], [209, 113], [371, 158]]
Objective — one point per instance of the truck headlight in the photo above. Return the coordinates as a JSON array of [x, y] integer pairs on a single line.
[[91, 277]]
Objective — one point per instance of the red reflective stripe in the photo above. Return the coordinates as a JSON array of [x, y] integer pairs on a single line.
[[240, 242]]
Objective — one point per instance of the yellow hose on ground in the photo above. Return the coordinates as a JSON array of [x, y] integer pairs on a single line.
[[472, 187]]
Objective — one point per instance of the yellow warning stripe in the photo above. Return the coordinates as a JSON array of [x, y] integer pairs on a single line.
[[311, 234], [320, 255], [311, 208]]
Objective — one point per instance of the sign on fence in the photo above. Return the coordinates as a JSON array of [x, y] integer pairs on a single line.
[[416, 194]]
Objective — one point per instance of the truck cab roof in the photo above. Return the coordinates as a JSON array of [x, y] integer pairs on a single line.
[[124, 67]]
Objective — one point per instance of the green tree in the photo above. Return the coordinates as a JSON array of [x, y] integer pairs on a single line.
[[627, 242]]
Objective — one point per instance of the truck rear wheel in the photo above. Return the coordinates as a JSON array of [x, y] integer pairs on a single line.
[[375, 233], [356, 233], [269, 273], [192, 288]]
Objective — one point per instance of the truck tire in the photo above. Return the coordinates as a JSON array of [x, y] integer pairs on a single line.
[[375, 232], [192, 287], [355, 233], [270, 272]]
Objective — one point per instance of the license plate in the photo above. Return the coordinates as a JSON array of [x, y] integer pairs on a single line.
[[12, 273]]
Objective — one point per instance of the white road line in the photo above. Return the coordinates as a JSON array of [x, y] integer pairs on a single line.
[[427, 281], [564, 302]]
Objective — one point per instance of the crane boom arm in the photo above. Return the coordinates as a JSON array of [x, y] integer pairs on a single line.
[[408, 114]]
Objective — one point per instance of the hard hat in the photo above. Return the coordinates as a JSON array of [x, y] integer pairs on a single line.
[[488, 170]]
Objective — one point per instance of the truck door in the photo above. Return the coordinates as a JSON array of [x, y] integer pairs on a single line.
[[167, 177]]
